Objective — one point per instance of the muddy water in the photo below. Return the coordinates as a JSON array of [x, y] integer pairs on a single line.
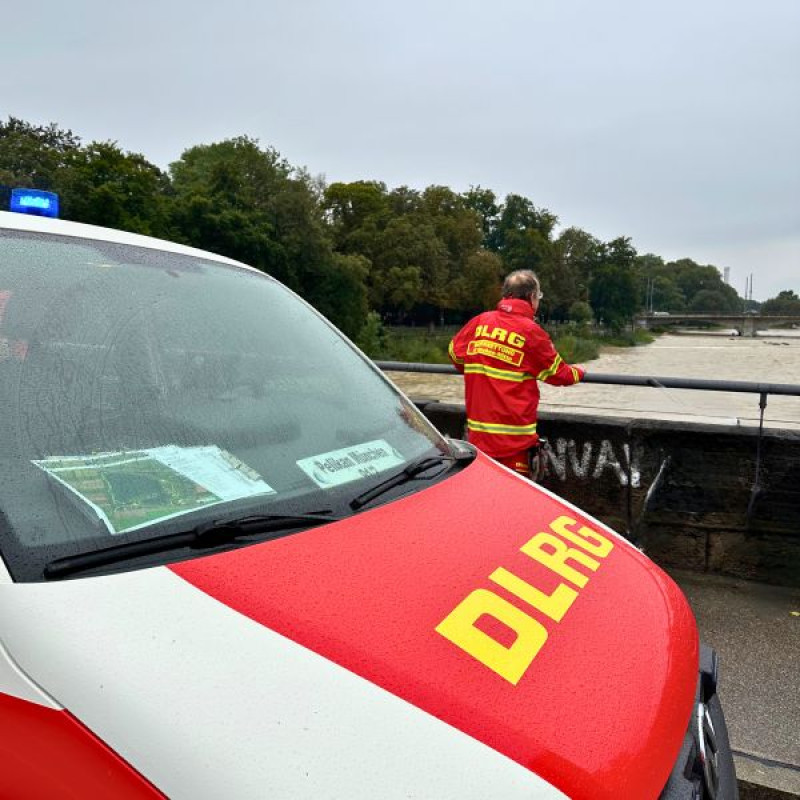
[[767, 358]]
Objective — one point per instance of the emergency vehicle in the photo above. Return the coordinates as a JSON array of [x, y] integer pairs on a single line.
[[238, 563]]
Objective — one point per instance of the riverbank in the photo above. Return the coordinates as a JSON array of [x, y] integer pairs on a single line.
[[576, 344]]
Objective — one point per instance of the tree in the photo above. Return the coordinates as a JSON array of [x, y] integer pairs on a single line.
[[420, 245], [455, 224], [102, 185], [709, 301], [657, 287], [580, 312], [246, 202], [478, 287], [342, 294], [692, 278], [518, 214], [484, 203], [575, 253], [409, 242], [578, 251], [522, 238], [228, 196], [34, 156], [785, 302], [613, 291], [349, 206], [402, 287]]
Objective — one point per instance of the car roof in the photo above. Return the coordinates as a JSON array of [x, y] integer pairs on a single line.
[[62, 227]]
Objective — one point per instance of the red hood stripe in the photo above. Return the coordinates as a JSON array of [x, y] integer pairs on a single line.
[[601, 708]]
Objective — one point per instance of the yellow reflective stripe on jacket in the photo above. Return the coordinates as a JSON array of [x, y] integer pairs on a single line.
[[507, 430], [551, 370], [453, 355], [500, 374], [575, 375]]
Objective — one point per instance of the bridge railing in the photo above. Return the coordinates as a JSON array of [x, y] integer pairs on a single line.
[[763, 390], [699, 384]]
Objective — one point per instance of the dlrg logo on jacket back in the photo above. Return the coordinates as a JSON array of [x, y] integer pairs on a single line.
[[552, 551], [500, 335]]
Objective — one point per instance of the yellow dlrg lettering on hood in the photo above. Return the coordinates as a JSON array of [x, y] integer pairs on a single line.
[[571, 563], [508, 662]]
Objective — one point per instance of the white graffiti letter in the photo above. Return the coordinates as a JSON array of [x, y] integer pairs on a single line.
[[558, 461], [607, 458], [636, 476], [581, 469]]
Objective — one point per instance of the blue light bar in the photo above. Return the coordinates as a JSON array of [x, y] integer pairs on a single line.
[[34, 201]]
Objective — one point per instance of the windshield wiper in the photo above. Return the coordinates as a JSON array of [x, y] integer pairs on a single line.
[[206, 535], [414, 469]]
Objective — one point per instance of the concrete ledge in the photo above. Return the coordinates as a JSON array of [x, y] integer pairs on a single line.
[[759, 780]]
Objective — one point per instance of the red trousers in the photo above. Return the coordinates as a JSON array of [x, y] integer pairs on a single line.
[[519, 462], [528, 463]]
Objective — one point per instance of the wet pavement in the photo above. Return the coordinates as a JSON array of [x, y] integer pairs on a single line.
[[755, 630]]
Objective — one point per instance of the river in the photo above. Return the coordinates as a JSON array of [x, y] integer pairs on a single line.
[[771, 357]]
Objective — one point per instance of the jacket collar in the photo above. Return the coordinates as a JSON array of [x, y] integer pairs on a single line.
[[515, 305]]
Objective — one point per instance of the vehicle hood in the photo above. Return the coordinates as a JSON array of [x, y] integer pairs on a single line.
[[423, 645]]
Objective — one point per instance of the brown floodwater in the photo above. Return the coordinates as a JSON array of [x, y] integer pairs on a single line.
[[768, 358]]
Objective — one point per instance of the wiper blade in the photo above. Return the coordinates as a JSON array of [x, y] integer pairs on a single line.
[[414, 469], [209, 534]]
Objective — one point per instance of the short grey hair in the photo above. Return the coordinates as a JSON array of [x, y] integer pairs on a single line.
[[521, 283]]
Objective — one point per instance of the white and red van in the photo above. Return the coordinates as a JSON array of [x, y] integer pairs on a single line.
[[238, 563]]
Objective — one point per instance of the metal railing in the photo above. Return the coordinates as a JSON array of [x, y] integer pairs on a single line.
[[763, 390], [700, 384]]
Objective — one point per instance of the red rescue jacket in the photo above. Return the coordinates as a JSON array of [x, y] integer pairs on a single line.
[[503, 353]]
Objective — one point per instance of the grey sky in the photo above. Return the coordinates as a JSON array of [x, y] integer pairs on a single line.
[[677, 124]]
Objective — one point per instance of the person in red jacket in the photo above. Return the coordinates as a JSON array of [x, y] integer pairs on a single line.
[[503, 354]]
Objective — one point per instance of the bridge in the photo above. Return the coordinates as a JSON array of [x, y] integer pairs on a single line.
[[744, 324]]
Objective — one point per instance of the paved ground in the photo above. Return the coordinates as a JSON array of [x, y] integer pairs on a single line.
[[755, 629]]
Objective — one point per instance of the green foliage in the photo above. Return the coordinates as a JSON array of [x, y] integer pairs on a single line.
[[709, 301], [34, 156], [478, 285], [786, 302], [342, 295], [580, 312], [246, 202], [102, 185], [411, 255], [372, 336], [411, 345], [350, 208], [226, 200], [576, 349], [612, 289], [484, 203], [683, 285], [577, 345], [629, 338]]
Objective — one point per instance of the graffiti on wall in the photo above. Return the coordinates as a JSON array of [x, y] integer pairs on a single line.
[[592, 459]]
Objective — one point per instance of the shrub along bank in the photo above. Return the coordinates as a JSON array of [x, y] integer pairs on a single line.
[[576, 344]]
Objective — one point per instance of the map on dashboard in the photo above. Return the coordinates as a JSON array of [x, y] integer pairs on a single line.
[[130, 489]]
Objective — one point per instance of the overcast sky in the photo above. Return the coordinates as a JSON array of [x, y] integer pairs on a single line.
[[677, 124]]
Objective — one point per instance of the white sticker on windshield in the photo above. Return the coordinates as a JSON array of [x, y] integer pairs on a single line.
[[350, 463]]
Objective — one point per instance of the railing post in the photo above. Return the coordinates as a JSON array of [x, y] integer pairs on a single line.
[[756, 490]]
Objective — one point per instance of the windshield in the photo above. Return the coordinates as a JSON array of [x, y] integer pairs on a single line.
[[144, 391]]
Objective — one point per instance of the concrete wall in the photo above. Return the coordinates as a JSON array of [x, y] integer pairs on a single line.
[[685, 492]]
